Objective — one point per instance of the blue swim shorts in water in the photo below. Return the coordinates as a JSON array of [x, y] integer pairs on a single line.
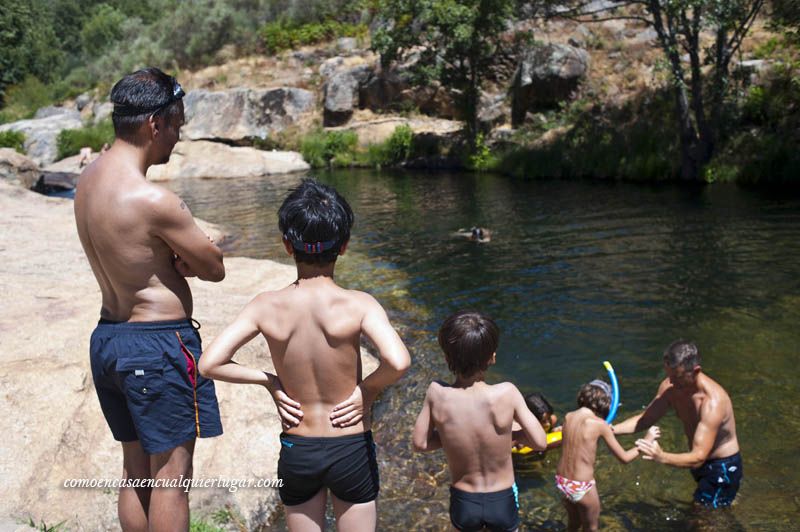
[[146, 378], [718, 481], [496, 511], [347, 465]]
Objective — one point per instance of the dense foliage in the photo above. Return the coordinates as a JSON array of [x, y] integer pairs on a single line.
[[452, 41], [13, 139], [73, 45], [70, 141]]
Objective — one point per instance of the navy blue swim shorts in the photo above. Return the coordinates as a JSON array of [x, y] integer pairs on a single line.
[[497, 510], [145, 375], [718, 481], [347, 465]]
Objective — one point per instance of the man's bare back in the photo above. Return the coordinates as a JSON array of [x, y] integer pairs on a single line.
[[130, 230]]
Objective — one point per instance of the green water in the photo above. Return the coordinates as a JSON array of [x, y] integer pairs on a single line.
[[575, 273]]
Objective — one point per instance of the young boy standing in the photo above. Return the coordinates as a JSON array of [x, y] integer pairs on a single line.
[[575, 471], [313, 329], [472, 421]]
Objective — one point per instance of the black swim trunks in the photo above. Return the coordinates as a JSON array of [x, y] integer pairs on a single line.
[[718, 481], [346, 465], [497, 511], [145, 375]]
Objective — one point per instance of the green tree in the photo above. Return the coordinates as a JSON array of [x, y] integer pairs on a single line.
[[787, 13], [681, 26], [454, 41], [28, 44], [102, 29]]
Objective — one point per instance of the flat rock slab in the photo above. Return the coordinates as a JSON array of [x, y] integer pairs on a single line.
[[207, 159], [53, 426], [378, 130]]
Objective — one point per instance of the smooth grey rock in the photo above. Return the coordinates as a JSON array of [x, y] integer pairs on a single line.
[[102, 111], [341, 94], [346, 44], [240, 114], [83, 100], [41, 134], [204, 159], [17, 169], [546, 76], [50, 111], [646, 36]]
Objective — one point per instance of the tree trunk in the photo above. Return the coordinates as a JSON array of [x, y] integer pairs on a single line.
[[688, 135]]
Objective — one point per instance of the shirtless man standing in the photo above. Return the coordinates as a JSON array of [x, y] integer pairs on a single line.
[[706, 412], [313, 329], [141, 242]]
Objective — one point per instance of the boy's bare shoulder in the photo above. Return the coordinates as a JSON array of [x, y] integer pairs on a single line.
[[507, 390], [437, 387], [362, 298]]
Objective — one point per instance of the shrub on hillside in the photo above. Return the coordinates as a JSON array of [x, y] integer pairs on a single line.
[[282, 35], [70, 141], [394, 150], [13, 139], [329, 148]]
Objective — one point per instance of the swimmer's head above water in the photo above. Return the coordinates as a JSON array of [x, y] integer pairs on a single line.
[[542, 409]]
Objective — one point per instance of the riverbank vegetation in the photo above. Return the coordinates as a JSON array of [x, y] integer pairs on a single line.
[[70, 141], [708, 116], [13, 139]]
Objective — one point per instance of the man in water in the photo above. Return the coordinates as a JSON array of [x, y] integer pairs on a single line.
[[706, 411], [142, 242]]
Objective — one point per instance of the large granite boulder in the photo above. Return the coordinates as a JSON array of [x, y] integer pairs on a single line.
[[206, 159], [547, 75], [55, 431], [41, 133], [17, 169], [341, 94], [241, 114]]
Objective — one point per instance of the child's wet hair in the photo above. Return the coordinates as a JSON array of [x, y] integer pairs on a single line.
[[539, 406], [316, 220], [468, 339], [595, 399]]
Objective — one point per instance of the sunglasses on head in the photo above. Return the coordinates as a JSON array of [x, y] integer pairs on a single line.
[[130, 110]]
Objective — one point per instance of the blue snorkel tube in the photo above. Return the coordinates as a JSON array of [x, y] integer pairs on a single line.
[[612, 412]]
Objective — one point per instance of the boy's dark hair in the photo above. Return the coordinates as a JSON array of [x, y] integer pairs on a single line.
[[595, 398], [682, 353], [468, 339], [316, 220], [539, 406], [139, 95]]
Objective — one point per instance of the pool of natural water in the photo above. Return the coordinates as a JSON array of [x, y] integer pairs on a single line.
[[575, 273]]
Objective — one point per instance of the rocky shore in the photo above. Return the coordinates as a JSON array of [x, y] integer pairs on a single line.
[[53, 424]]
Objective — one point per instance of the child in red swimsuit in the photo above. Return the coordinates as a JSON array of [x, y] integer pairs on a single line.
[[575, 471]]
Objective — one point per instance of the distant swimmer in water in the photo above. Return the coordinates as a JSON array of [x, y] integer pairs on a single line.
[[476, 234]]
